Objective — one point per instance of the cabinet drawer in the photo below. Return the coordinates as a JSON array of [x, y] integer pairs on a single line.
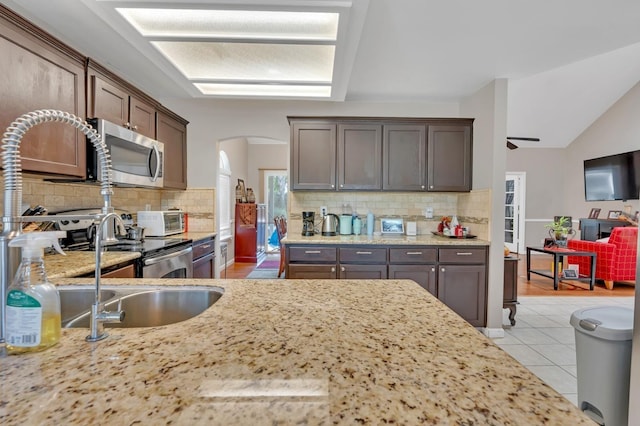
[[312, 272], [463, 255], [203, 247], [413, 255], [312, 254], [363, 255]]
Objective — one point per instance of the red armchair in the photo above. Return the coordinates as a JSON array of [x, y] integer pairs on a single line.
[[615, 260]]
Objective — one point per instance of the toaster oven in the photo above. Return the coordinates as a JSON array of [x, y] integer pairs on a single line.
[[160, 223]]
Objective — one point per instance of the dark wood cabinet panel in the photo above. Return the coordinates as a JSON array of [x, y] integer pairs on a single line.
[[111, 98], [463, 289], [404, 157], [173, 133], [449, 158], [363, 272], [204, 267], [425, 275], [313, 156], [128, 271], [311, 254], [410, 255], [246, 233], [362, 255], [40, 72], [381, 154], [359, 156], [311, 272]]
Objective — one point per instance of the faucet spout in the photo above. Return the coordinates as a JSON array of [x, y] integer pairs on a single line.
[[12, 173]]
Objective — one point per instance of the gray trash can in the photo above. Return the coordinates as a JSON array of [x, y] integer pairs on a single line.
[[603, 359]]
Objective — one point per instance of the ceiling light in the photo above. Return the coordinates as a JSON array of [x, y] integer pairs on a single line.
[[267, 90]]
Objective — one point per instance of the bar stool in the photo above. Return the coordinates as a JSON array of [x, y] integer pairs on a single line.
[[223, 254]]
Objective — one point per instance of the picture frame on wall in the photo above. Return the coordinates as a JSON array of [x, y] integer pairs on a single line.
[[594, 213], [614, 214]]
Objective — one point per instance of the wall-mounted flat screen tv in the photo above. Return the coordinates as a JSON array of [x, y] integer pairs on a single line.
[[614, 177]]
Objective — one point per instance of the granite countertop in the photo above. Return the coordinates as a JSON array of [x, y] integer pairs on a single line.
[[196, 236], [77, 263], [284, 352], [426, 240]]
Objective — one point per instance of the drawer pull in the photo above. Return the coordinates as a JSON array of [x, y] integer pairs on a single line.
[[363, 252], [442, 270], [333, 269], [312, 252], [342, 268], [206, 246], [433, 269], [464, 253], [414, 253]]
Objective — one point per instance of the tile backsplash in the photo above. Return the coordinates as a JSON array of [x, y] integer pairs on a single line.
[[472, 208], [199, 203]]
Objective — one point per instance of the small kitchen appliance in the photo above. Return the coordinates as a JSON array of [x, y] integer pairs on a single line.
[[346, 220], [158, 223], [330, 224], [308, 223]]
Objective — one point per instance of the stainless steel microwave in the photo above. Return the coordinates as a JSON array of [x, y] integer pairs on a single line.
[[136, 160]]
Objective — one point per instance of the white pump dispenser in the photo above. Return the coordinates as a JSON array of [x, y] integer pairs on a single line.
[[33, 303]]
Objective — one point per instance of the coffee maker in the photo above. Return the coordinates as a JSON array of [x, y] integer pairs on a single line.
[[307, 223]]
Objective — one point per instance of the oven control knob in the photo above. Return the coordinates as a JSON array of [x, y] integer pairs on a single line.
[[75, 221], [64, 222]]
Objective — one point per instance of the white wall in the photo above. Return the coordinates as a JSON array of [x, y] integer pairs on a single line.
[[489, 106]]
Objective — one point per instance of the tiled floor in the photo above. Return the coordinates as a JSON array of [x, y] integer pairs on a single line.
[[544, 341]]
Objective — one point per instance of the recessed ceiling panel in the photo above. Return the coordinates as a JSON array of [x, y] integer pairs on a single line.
[[266, 90], [250, 61], [232, 23]]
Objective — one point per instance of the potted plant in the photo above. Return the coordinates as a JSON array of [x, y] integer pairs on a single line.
[[560, 230]]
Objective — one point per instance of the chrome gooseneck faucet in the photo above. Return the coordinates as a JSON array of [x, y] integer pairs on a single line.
[[12, 220]]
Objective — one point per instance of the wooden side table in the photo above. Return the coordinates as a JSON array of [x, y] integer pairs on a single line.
[[510, 294]]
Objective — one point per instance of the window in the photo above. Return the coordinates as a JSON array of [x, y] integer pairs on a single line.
[[224, 196]]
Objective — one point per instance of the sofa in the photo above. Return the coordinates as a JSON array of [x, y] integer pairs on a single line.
[[615, 258]]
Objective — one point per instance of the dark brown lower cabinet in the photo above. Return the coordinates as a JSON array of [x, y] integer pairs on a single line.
[[510, 291], [461, 287], [455, 275], [204, 258], [425, 275]]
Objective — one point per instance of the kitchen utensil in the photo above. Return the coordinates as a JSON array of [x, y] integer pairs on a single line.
[[330, 224], [135, 233], [308, 219]]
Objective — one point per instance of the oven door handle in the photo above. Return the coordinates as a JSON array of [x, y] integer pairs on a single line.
[[154, 260]]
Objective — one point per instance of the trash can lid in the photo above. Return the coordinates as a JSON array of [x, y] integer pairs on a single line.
[[605, 322]]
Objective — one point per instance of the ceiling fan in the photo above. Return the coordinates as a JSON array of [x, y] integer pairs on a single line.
[[511, 145]]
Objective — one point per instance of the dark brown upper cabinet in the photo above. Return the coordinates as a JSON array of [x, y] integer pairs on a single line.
[[113, 99], [405, 154], [359, 156], [388, 154], [40, 72], [172, 131], [449, 157]]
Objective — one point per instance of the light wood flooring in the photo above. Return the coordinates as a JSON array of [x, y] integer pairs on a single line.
[[537, 286]]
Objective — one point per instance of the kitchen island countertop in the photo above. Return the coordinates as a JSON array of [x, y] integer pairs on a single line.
[[290, 351], [77, 263]]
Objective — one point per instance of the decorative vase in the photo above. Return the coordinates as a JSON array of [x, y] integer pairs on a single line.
[[560, 238]]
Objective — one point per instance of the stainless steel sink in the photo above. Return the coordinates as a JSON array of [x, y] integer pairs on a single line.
[[142, 307]]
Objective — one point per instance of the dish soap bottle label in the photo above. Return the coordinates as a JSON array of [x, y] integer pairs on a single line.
[[24, 319]]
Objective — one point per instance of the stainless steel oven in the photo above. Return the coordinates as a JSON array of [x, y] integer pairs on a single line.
[[176, 262]]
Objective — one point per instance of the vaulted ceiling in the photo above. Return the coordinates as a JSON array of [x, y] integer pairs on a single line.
[[567, 62]]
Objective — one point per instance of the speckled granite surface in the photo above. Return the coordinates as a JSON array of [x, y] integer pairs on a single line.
[[384, 240], [77, 263], [195, 236], [285, 352]]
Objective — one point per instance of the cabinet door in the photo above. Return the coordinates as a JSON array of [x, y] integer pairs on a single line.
[[311, 272], [173, 134], [449, 158], [363, 272], [128, 271], [425, 275], [463, 289], [204, 267], [404, 148], [360, 156], [313, 156], [142, 117], [38, 72], [109, 102]]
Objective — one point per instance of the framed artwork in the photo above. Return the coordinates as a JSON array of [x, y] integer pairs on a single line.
[[243, 191], [594, 213], [614, 214]]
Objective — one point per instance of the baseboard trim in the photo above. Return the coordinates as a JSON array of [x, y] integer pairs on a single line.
[[493, 333]]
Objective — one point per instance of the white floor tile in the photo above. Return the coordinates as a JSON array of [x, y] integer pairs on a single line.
[[507, 340], [560, 355], [526, 356], [571, 369], [556, 377], [565, 335], [536, 321], [531, 336]]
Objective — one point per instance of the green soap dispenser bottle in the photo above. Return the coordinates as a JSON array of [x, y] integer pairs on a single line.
[[33, 303]]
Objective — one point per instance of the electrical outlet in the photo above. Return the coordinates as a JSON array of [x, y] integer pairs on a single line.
[[323, 210], [428, 212]]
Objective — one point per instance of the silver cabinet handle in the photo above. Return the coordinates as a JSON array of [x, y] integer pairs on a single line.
[[206, 246], [333, 269], [414, 253], [342, 268], [333, 186], [421, 186], [463, 253], [442, 270], [312, 252], [433, 269], [363, 252], [341, 185], [127, 124], [134, 128], [431, 187]]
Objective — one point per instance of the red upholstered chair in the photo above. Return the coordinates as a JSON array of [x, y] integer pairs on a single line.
[[615, 260]]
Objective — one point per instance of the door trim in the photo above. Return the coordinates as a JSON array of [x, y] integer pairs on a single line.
[[520, 204]]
